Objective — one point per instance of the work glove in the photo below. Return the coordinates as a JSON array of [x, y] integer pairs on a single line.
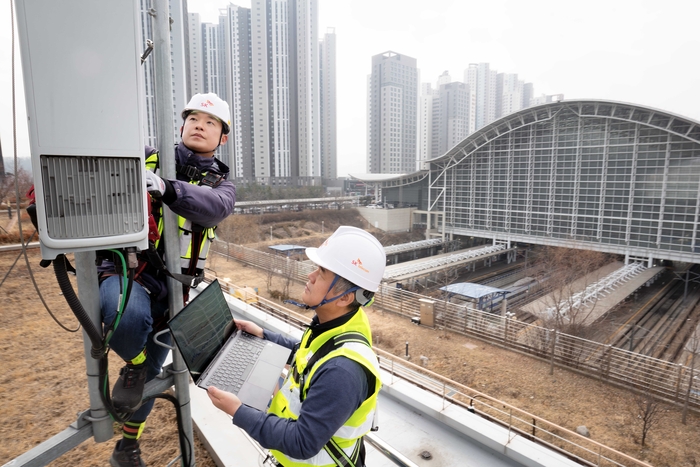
[[154, 184]]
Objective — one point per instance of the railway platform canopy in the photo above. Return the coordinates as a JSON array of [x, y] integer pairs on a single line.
[[413, 246], [592, 296], [288, 250], [474, 292], [434, 264]]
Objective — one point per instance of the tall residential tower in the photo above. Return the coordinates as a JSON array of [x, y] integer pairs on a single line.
[[392, 108], [329, 158], [270, 73]]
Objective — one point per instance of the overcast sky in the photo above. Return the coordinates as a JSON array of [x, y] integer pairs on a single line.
[[645, 52]]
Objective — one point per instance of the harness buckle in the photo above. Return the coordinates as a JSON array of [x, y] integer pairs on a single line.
[[189, 171]]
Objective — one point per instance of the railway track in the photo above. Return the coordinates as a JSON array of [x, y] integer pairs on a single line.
[[661, 328]]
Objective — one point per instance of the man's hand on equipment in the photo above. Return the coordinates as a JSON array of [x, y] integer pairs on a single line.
[[223, 400], [250, 328], [154, 184]]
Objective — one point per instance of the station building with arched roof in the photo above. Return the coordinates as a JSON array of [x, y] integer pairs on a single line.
[[597, 175]]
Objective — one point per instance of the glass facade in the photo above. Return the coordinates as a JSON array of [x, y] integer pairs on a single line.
[[599, 175]]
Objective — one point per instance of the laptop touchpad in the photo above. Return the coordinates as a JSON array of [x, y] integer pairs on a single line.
[[264, 375]]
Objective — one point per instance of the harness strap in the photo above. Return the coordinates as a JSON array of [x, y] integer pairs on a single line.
[[327, 347], [157, 262], [338, 455], [192, 173]]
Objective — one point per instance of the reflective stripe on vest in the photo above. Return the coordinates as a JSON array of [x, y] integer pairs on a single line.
[[186, 240], [287, 403]]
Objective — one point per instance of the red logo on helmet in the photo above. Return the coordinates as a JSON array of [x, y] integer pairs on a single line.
[[358, 262], [208, 103]]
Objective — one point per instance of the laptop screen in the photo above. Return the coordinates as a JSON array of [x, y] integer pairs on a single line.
[[200, 329]]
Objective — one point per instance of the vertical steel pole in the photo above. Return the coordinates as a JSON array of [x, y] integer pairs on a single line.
[[89, 291], [166, 146]]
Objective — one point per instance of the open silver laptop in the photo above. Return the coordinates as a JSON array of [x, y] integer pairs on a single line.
[[217, 354]]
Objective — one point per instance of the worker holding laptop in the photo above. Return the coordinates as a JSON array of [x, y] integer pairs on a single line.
[[328, 401]]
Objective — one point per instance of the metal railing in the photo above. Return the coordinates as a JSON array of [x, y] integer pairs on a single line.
[[518, 422], [665, 380]]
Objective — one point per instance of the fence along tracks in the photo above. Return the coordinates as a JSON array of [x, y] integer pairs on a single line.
[[673, 383]]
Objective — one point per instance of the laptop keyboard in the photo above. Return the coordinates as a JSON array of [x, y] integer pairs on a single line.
[[239, 361]]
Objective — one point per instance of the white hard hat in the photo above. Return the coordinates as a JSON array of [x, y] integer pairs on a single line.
[[211, 104], [354, 255]]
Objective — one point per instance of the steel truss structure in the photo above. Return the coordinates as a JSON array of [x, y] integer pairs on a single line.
[[598, 175]]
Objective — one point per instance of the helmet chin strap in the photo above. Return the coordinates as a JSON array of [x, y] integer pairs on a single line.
[[325, 300]]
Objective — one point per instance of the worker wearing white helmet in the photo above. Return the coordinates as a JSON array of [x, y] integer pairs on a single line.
[[328, 400], [201, 196], [203, 111]]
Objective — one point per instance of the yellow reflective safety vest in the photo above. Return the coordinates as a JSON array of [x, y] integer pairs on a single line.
[[192, 237], [352, 340]]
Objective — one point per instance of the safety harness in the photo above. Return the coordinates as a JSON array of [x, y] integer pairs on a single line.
[[331, 447], [191, 276]]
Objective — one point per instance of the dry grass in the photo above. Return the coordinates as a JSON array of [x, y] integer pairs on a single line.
[[43, 384]]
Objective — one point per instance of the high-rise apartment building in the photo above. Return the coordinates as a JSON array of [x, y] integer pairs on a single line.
[[509, 94], [240, 91], [178, 31], [425, 124], [195, 79], [327, 103], [450, 117], [528, 94], [451, 111], [445, 117], [482, 80], [265, 61], [392, 122], [304, 91], [270, 73], [214, 70]]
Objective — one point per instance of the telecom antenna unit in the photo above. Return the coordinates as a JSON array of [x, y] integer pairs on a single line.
[[85, 98]]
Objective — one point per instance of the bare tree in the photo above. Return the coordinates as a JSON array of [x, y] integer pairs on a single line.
[[646, 413]]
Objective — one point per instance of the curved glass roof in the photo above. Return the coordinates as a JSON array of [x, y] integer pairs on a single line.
[[600, 175]]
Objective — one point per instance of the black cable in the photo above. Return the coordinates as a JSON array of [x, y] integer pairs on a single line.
[[65, 328], [95, 336], [100, 351], [103, 382], [187, 456]]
